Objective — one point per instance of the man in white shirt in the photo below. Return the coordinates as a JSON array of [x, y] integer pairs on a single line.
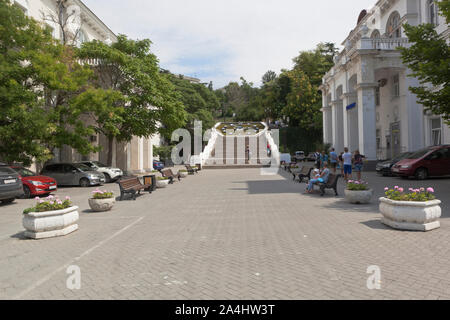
[[347, 156]]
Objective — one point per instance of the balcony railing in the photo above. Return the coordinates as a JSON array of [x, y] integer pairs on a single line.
[[384, 43]]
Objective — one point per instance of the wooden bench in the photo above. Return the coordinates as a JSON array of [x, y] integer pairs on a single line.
[[190, 169], [304, 173], [132, 186], [167, 173], [331, 184]]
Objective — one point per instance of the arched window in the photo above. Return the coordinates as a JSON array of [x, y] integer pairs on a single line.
[[82, 37], [375, 34], [432, 12], [393, 28]]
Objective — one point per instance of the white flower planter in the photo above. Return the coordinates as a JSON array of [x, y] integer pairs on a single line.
[[358, 197], [410, 215], [100, 205], [162, 183], [40, 225], [183, 174]]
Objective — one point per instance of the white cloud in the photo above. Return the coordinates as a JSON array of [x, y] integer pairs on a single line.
[[224, 40]]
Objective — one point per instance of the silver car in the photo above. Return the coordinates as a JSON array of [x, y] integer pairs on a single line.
[[10, 184], [73, 174]]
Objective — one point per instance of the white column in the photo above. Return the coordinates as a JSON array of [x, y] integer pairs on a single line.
[[367, 122], [128, 156], [345, 122], [150, 153], [141, 154], [416, 130]]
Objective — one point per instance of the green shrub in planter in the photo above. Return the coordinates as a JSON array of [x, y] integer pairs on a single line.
[[50, 203], [162, 178], [357, 185], [99, 194], [418, 195]]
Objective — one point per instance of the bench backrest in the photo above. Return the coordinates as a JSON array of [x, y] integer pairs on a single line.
[[306, 170], [332, 180], [129, 183], [188, 166], [167, 173]]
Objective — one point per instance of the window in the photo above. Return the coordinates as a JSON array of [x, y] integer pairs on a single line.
[[432, 12], [377, 96], [436, 130], [393, 28], [82, 37], [378, 137], [375, 34], [396, 86]]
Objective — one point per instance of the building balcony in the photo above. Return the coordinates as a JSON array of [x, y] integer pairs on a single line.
[[382, 44]]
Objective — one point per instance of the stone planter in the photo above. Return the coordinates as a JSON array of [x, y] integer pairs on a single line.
[[410, 215], [40, 225], [358, 197], [162, 183], [100, 205], [183, 174]]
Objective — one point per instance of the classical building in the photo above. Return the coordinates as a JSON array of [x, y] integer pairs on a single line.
[[366, 101], [83, 25]]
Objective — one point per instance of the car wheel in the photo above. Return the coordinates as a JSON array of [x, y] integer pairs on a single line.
[[84, 183], [421, 174], [26, 192], [107, 178], [6, 201]]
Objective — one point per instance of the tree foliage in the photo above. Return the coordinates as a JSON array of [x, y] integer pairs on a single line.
[[38, 78], [429, 60]]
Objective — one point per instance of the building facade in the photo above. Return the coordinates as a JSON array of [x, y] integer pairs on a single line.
[[83, 25], [367, 105]]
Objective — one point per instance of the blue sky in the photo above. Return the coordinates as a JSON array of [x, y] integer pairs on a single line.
[[221, 41]]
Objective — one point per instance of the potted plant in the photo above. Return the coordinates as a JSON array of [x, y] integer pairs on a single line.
[[50, 217], [417, 209], [358, 192], [183, 173], [102, 200], [162, 182]]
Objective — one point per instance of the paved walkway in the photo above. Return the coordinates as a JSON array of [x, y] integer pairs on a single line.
[[227, 234]]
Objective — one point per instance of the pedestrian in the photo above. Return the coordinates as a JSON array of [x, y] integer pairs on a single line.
[[333, 160], [358, 161], [269, 151], [347, 156], [324, 158], [317, 157], [341, 163], [322, 178]]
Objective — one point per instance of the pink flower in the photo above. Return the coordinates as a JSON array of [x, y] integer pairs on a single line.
[[67, 198], [411, 189], [52, 202], [59, 202], [430, 190], [396, 187], [401, 190], [386, 189], [37, 198]]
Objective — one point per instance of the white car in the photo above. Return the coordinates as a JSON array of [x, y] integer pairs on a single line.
[[111, 174]]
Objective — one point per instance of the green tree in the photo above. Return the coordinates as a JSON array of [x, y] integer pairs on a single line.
[[129, 95], [269, 76], [38, 78], [429, 60]]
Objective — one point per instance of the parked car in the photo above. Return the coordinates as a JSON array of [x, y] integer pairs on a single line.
[[73, 174], [158, 165], [34, 184], [299, 156], [111, 174], [429, 162], [311, 157], [384, 167], [10, 184]]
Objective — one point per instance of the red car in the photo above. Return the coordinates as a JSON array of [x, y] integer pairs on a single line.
[[429, 162], [34, 184]]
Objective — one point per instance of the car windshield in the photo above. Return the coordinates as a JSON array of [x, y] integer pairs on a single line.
[[402, 156], [82, 167], [25, 172], [419, 154], [6, 170], [99, 164]]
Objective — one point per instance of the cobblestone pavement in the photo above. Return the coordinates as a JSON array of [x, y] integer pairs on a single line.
[[228, 234]]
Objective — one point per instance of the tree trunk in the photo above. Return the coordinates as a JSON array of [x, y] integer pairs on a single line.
[[110, 150]]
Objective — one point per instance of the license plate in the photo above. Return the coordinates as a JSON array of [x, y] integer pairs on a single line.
[[395, 170], [52, 188], [9, 181]]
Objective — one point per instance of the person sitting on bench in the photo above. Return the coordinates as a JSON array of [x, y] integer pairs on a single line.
[[323, 178]]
